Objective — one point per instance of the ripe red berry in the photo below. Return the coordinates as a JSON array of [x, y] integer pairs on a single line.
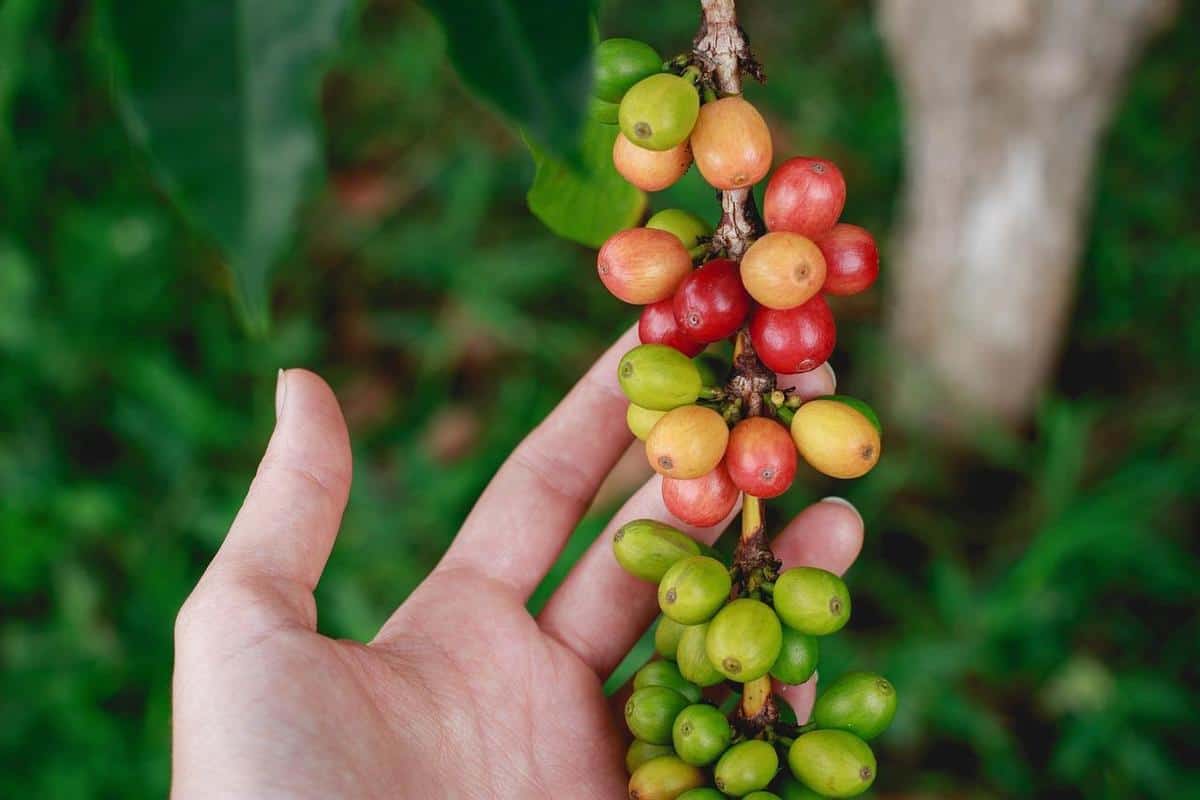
[[851, 259], [795, 339], [804, 196], [643, 265], [702, 501], [657, 325], [711, 303], [761, 457]]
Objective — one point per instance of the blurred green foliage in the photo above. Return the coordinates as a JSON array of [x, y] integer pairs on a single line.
[[1032, 596]]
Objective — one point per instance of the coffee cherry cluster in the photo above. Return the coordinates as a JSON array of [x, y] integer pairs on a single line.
[[717, 432], [709, 643]]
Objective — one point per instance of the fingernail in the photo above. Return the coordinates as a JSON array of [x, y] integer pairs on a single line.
[[280, 393], [841, 501], [832, 375]]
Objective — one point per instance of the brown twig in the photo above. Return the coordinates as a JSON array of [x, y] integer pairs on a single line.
[[721, 51]]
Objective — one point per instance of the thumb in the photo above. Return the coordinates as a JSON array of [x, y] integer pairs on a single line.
[[290, 518]]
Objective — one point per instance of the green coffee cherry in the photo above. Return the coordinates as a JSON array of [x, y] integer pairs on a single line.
[[619, 64], [797, 657], [701, 734], [692, 657], [658, 377], [858, 405], [860, 702], [647, 549], [693, 589], [602, 112], [651, 711], [744, 640], [788, 788], [746, 767], [664, 778], [833, 763], [686, 226], [705, 793], [658, 112], [812, 600], [640, 752], [667, 634], [762, 796], [665, 673]]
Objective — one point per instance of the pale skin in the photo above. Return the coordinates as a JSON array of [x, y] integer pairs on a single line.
[[462, 693]]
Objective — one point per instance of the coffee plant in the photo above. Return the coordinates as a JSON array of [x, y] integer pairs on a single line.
[[706, 720]]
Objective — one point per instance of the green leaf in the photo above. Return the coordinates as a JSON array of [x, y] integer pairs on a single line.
[[585, 203], [531, 61], [223, 95]]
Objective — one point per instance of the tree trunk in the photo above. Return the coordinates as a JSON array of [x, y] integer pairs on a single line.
[[1005, 104]]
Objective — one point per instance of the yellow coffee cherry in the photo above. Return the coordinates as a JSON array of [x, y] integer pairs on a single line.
[[835, 438], [642, 420], [687, 442]]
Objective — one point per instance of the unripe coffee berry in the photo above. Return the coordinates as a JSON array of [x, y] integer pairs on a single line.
[[862, 703], [701, 734], [658, 112], [783, 270], [693, 589], [832, 763], [650, 713], [836, 438], [812, 600], [692, 657], [745, 767], [650, 170], [664, 778], [619, 64], [731, 144], [687, 442], [744, 640], [647, 549], [658, 378]]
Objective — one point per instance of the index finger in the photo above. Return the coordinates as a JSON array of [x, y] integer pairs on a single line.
[[521, 522]]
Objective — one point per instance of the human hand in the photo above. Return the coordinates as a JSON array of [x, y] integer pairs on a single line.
[[462, 693]]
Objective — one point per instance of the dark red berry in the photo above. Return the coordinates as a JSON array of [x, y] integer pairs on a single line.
[[711, 303], [657, 325], [761, 457], [702, 501], [851, 259], [795, 339], [804, 196]]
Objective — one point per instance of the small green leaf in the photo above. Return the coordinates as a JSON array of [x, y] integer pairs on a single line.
[[533, 62], [588, 203], [223, 95]]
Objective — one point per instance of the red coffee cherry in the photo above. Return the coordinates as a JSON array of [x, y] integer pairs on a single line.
[[711, 303], [804, 196], [795, 339], [851, 259], [702, 501], [657, 325], [643, 265], [761, 457]]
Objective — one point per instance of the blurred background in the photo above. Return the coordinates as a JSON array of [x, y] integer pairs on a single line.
[[1032, 171]]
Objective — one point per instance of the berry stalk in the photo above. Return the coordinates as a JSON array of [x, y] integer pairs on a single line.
[[722, 52]]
